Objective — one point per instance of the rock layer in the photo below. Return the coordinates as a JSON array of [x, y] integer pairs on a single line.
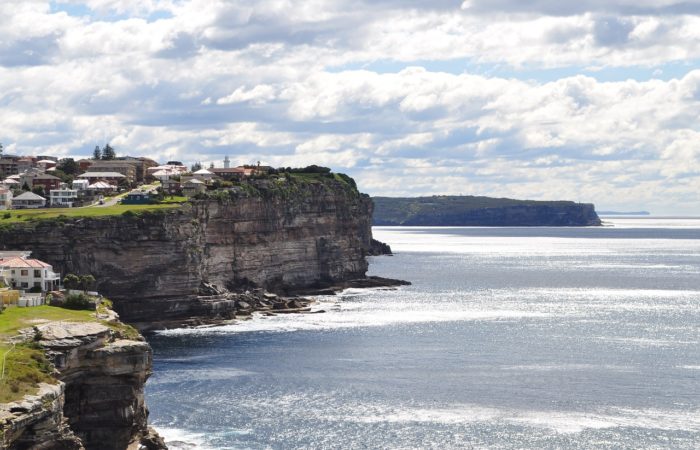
[[98, 402], [153, 265]]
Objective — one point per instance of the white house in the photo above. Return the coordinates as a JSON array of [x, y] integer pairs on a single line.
[[204, 175], [24, 273], [28, 200], [63, 197], [5, 198], [80, 185]]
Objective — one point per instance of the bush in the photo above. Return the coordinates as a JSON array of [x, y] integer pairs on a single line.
[[71, 281], [7, 215], [35, 290], [78, 301]]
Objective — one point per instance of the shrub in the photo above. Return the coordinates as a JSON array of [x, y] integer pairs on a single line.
[[35, 290], [7, 215], [78, 301]]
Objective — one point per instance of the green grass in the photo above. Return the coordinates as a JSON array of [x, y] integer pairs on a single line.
[[26, 367], [174, 199], [14, 319], [23, 215]]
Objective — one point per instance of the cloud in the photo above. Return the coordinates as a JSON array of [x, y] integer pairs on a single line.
[[345, 84]]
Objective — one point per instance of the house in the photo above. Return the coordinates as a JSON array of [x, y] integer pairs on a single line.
[[5, 198], [108, 177], [126, 168], [142, 164], [193, 187], [26, 163], [28, 200], [46, 181], [8, 166], [80, 185], [171, 187], [22, 272], [102, 187], [166, 171], [137, 198], [34, 178], [204, 175], [231, 173], [46, 164], [64, 198], [11, 183]]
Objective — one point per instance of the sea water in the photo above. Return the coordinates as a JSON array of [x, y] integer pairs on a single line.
[[508, 338]]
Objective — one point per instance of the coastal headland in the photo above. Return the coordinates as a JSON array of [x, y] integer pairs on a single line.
[[190, 264], [460, 211]]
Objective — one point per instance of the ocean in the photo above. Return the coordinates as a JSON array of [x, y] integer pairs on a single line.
[[508, 338]]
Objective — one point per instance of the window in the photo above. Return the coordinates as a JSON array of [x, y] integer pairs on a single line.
[[37, 285], [24, 273], [24, 285], [37, 273]]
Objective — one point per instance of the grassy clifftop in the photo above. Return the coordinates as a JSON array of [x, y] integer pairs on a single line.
[[480, 211]]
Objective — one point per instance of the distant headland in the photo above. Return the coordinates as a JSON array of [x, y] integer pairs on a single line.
[[480, 211], [624, 213]]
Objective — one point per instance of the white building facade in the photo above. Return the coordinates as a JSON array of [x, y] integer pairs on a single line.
[[63, 197], [25, 274], [5, 199]]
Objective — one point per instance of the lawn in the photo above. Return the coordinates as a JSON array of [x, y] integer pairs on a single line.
[[26, 364], [22, 215], [13, 319]]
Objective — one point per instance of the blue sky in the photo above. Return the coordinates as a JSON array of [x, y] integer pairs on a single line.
[[592, 100]]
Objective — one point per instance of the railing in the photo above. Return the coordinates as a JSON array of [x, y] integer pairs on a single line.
[[4, 358]]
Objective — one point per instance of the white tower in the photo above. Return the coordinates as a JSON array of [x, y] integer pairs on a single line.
[[227, 162]]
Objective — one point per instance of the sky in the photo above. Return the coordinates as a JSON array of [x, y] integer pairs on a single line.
[[593, 101]]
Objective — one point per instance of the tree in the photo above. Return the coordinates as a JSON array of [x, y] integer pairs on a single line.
[[71, 281], [38, 190], [87, 282], [69, 166], [1, 149], [25, 186], [108, 153], [196, 166], [97, 153]]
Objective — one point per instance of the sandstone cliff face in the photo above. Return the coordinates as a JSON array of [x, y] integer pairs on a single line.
[[152, 265], [38, 422], [98, 402]]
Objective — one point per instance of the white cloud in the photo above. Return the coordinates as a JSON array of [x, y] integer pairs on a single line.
[[292, 83]]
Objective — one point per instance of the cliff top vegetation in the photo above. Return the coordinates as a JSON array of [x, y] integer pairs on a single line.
[[24, 215]]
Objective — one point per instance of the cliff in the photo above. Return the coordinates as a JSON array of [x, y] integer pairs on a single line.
[[278, 236], [97, 400], [481, 211]]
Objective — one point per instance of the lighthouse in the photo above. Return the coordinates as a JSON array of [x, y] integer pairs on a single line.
[[227, 162]]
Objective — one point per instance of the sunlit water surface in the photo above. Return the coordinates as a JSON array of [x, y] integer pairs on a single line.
[[508, 338]]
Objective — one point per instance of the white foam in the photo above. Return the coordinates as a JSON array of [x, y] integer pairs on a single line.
[[197, 375], [179, 439], [364, 314], [564, 422]]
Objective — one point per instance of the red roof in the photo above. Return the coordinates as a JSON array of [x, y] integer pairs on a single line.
[[17, 262]]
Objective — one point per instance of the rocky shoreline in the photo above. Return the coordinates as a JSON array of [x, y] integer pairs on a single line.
[[231, 306]]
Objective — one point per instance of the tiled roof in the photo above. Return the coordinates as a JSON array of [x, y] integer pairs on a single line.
[[101, 175], [29, 196], [22, 263]]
